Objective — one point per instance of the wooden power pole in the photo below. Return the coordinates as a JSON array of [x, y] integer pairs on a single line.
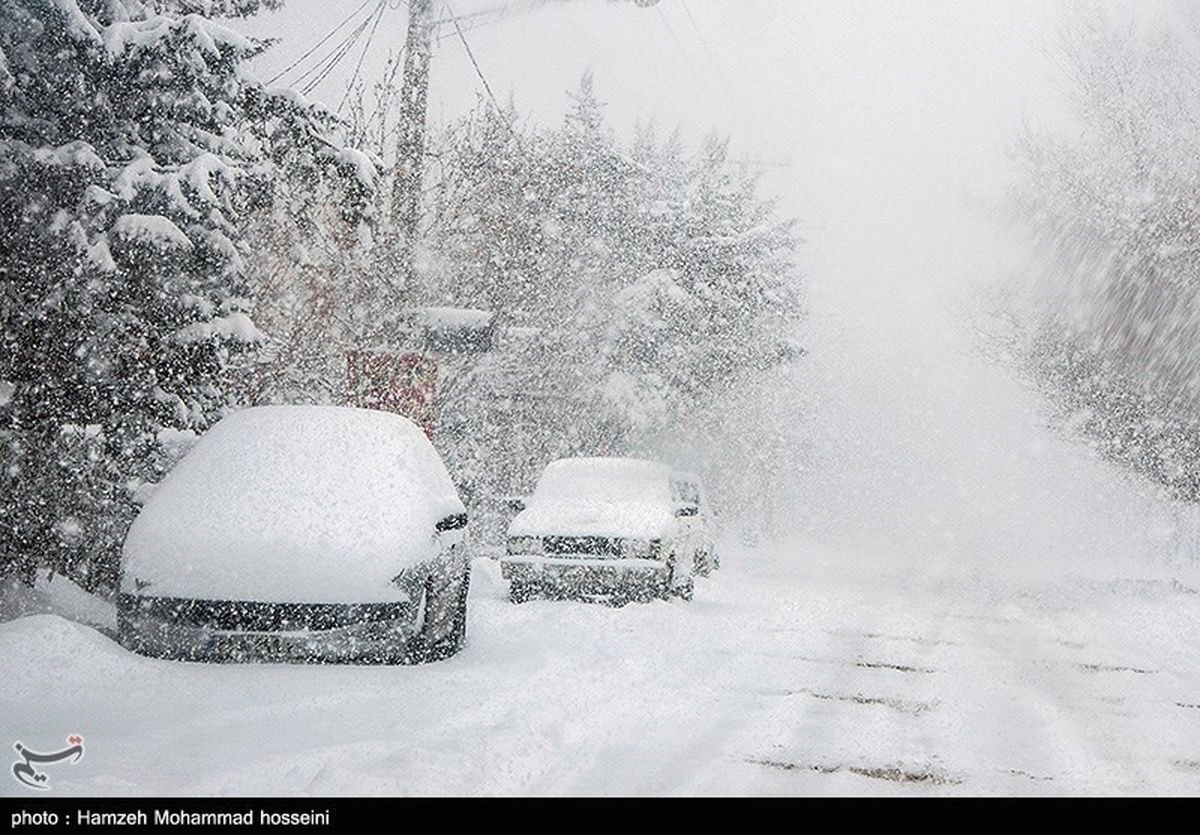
[[410, 146]]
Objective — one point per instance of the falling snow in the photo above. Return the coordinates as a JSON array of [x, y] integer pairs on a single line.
[[302, 338]]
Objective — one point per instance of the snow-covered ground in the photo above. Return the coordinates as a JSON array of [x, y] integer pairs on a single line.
[[796, 670]]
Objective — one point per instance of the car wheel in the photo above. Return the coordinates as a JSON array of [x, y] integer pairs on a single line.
[[445, 628]]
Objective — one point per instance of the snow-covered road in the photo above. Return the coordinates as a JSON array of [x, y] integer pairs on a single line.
[[796, 670]]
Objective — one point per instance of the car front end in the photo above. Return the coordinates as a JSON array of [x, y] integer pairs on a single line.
[[587, 567], [226, 630]]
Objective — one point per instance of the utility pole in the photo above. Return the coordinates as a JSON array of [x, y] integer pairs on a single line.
[[410, 146]]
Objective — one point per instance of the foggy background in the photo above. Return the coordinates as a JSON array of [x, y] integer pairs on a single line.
[[885, 127]]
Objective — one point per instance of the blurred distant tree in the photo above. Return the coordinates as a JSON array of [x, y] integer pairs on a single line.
[[656, 280], [1114, 208]]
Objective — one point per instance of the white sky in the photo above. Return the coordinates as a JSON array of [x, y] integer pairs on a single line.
[[889, 113], [835, 88]]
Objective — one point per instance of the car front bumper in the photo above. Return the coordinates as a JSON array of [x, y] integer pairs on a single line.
[[586, 577], [237, 631]]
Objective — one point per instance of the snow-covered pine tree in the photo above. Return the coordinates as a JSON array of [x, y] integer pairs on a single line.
[[133, 145], [656, 280], [315, 290], [716, 301], [488, 190]]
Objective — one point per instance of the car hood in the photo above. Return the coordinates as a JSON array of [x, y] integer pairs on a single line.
[[632, 520]]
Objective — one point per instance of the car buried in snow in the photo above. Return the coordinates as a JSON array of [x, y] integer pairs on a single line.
[[613, 529], [309, 534]]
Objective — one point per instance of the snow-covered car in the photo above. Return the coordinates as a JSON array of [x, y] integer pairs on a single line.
[[300, 533], [603, 528]]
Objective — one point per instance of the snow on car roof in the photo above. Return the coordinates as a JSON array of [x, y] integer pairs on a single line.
[[293, 503], [599, 497]]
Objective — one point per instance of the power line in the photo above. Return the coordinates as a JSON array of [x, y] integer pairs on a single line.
[[332, 55], [474, 63], [361, 56], [687, 58], [318, 44], [700, 35], [499, 14], [334, 58], [494, 10]]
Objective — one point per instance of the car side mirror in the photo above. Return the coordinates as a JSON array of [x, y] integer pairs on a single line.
[[686, 510], [453, 522]]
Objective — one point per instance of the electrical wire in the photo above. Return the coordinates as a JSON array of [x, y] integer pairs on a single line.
[[339, 53], [499, 14], [687, 58], [700, 36], [337, 49], [474, 63], [361, 56], [318, 44]]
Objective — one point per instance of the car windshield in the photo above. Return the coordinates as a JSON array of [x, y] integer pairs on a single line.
[[603, 480]]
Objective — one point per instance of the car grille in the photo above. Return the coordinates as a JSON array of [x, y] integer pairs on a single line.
[[254, 616], [591, 546]]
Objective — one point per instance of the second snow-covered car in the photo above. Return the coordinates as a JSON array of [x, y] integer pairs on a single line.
[[606, 528], [304, 534]]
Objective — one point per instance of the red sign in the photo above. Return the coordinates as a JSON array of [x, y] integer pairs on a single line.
[[402, 383]]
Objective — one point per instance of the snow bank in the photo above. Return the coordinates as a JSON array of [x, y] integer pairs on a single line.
[[67, 657], [599, 497], [797, 670], [293, 503], [56, 595]]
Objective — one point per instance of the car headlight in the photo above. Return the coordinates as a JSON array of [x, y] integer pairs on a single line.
[[525, 545]]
